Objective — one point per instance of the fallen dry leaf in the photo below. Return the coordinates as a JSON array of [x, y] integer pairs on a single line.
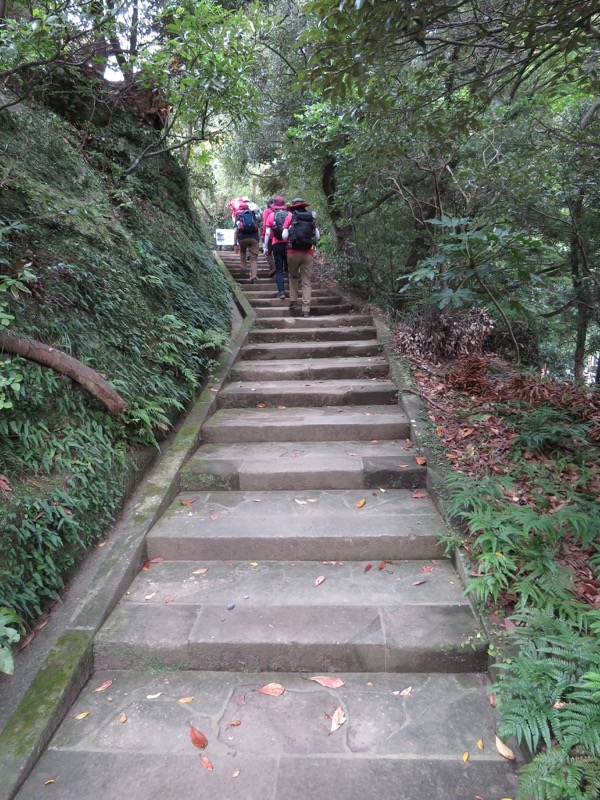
[[186, 699], [327, 681], [214, 517], [361, 502], [427, 568], [149, 596], [123, 718], [338, 718], [49, 781], [493, 700], [504, 749], [157, 560], [381, 565], [261, 405], [300, 502], [465, 757], [253, 563], [480, 744], [188, 501], [417, 583], [234, 723], [421, 460], [197, 738], [319, 580], [104, 686], [404, 692], [83, 715], [272, 689], [559, 704], [368, 567], [383, 491], [418, 495], [146, 566], [235, 774], [201, 571], [153, 696], [206, 763]]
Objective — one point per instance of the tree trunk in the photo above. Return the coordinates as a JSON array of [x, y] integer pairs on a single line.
[[328, 184], [582, 303], [11, 342]]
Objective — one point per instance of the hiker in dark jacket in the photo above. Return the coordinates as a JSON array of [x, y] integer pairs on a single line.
[[245, 239], [268, 254], [301, 234], [274, 240]]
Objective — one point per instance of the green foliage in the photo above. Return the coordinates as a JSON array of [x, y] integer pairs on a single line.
[[11, 628], [125, 282], [550, 695]]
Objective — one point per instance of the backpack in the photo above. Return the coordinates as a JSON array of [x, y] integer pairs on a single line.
[[279, 217], [246, 222], [302, 230]]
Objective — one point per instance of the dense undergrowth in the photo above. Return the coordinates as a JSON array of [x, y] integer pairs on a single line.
[[523, 489], [116, 271]]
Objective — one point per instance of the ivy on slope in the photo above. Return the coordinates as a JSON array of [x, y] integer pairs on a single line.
[[117, 272]]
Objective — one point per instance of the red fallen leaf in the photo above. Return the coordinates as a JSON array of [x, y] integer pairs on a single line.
[[327, 681], [197, 737], [229, 563], [421, 460], [272, 689], [427, 568], [5, 485], [261, 405], [146, 567], [104, 686], [374, 494], [368, 567], [381, 565], [493, 700], [234, 723], [157, 560], [418, 495], [466, 432], [214, 516], [206, 763], [188, 502]]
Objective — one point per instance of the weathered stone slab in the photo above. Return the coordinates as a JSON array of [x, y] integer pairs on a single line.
[[310, 350], [325, 424], [315, 334], [307, 368], [309, 393]]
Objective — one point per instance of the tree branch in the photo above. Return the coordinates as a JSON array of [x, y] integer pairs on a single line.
[[363, 212], [11, 342]]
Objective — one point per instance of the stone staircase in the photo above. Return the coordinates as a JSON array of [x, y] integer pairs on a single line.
[[303, 544]]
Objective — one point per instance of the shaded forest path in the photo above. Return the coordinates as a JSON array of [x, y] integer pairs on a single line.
[[303, 544]]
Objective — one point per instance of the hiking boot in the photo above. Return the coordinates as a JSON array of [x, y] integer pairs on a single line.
[[282, 295], [253, 280]]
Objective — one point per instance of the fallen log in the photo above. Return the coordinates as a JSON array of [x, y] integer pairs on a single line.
[[11, 342]]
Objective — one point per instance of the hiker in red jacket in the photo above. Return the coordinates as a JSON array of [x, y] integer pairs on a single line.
[[274, 241], [245, 239], [301, 234], [268, 254]]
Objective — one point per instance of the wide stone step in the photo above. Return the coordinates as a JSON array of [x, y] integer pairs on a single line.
[[273, 350], [315, 311], [279, 526], [289, 333], [406, 748], [289, 616], [267, 286], [325, 424], [315, 393], [276, 302], [338, 320], [306, 368], [270, 293], [302, 465]]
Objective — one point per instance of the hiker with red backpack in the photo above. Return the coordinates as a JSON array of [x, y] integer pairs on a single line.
[[275, 243], [245, 239], [301, 234]]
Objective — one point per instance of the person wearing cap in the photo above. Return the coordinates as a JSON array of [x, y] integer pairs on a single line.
[[300, 255], [268, 255], [246, 244], [276, 245]]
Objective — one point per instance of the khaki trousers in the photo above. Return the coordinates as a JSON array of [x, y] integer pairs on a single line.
[[300, 267], [251, 246]]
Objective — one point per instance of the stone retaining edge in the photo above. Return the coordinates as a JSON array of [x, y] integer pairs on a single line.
[[69, 664]]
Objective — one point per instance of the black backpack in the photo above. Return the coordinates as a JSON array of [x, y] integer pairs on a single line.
[[246, 222], [279, 217], [302, 230]]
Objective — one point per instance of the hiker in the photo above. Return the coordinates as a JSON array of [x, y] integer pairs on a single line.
[[301, 233], [268, 254], [245, 240], [234, 207], [274, 240]]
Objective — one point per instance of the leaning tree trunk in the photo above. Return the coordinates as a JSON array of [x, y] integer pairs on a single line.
[[329, 185], [11, 342], [582, 303]]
